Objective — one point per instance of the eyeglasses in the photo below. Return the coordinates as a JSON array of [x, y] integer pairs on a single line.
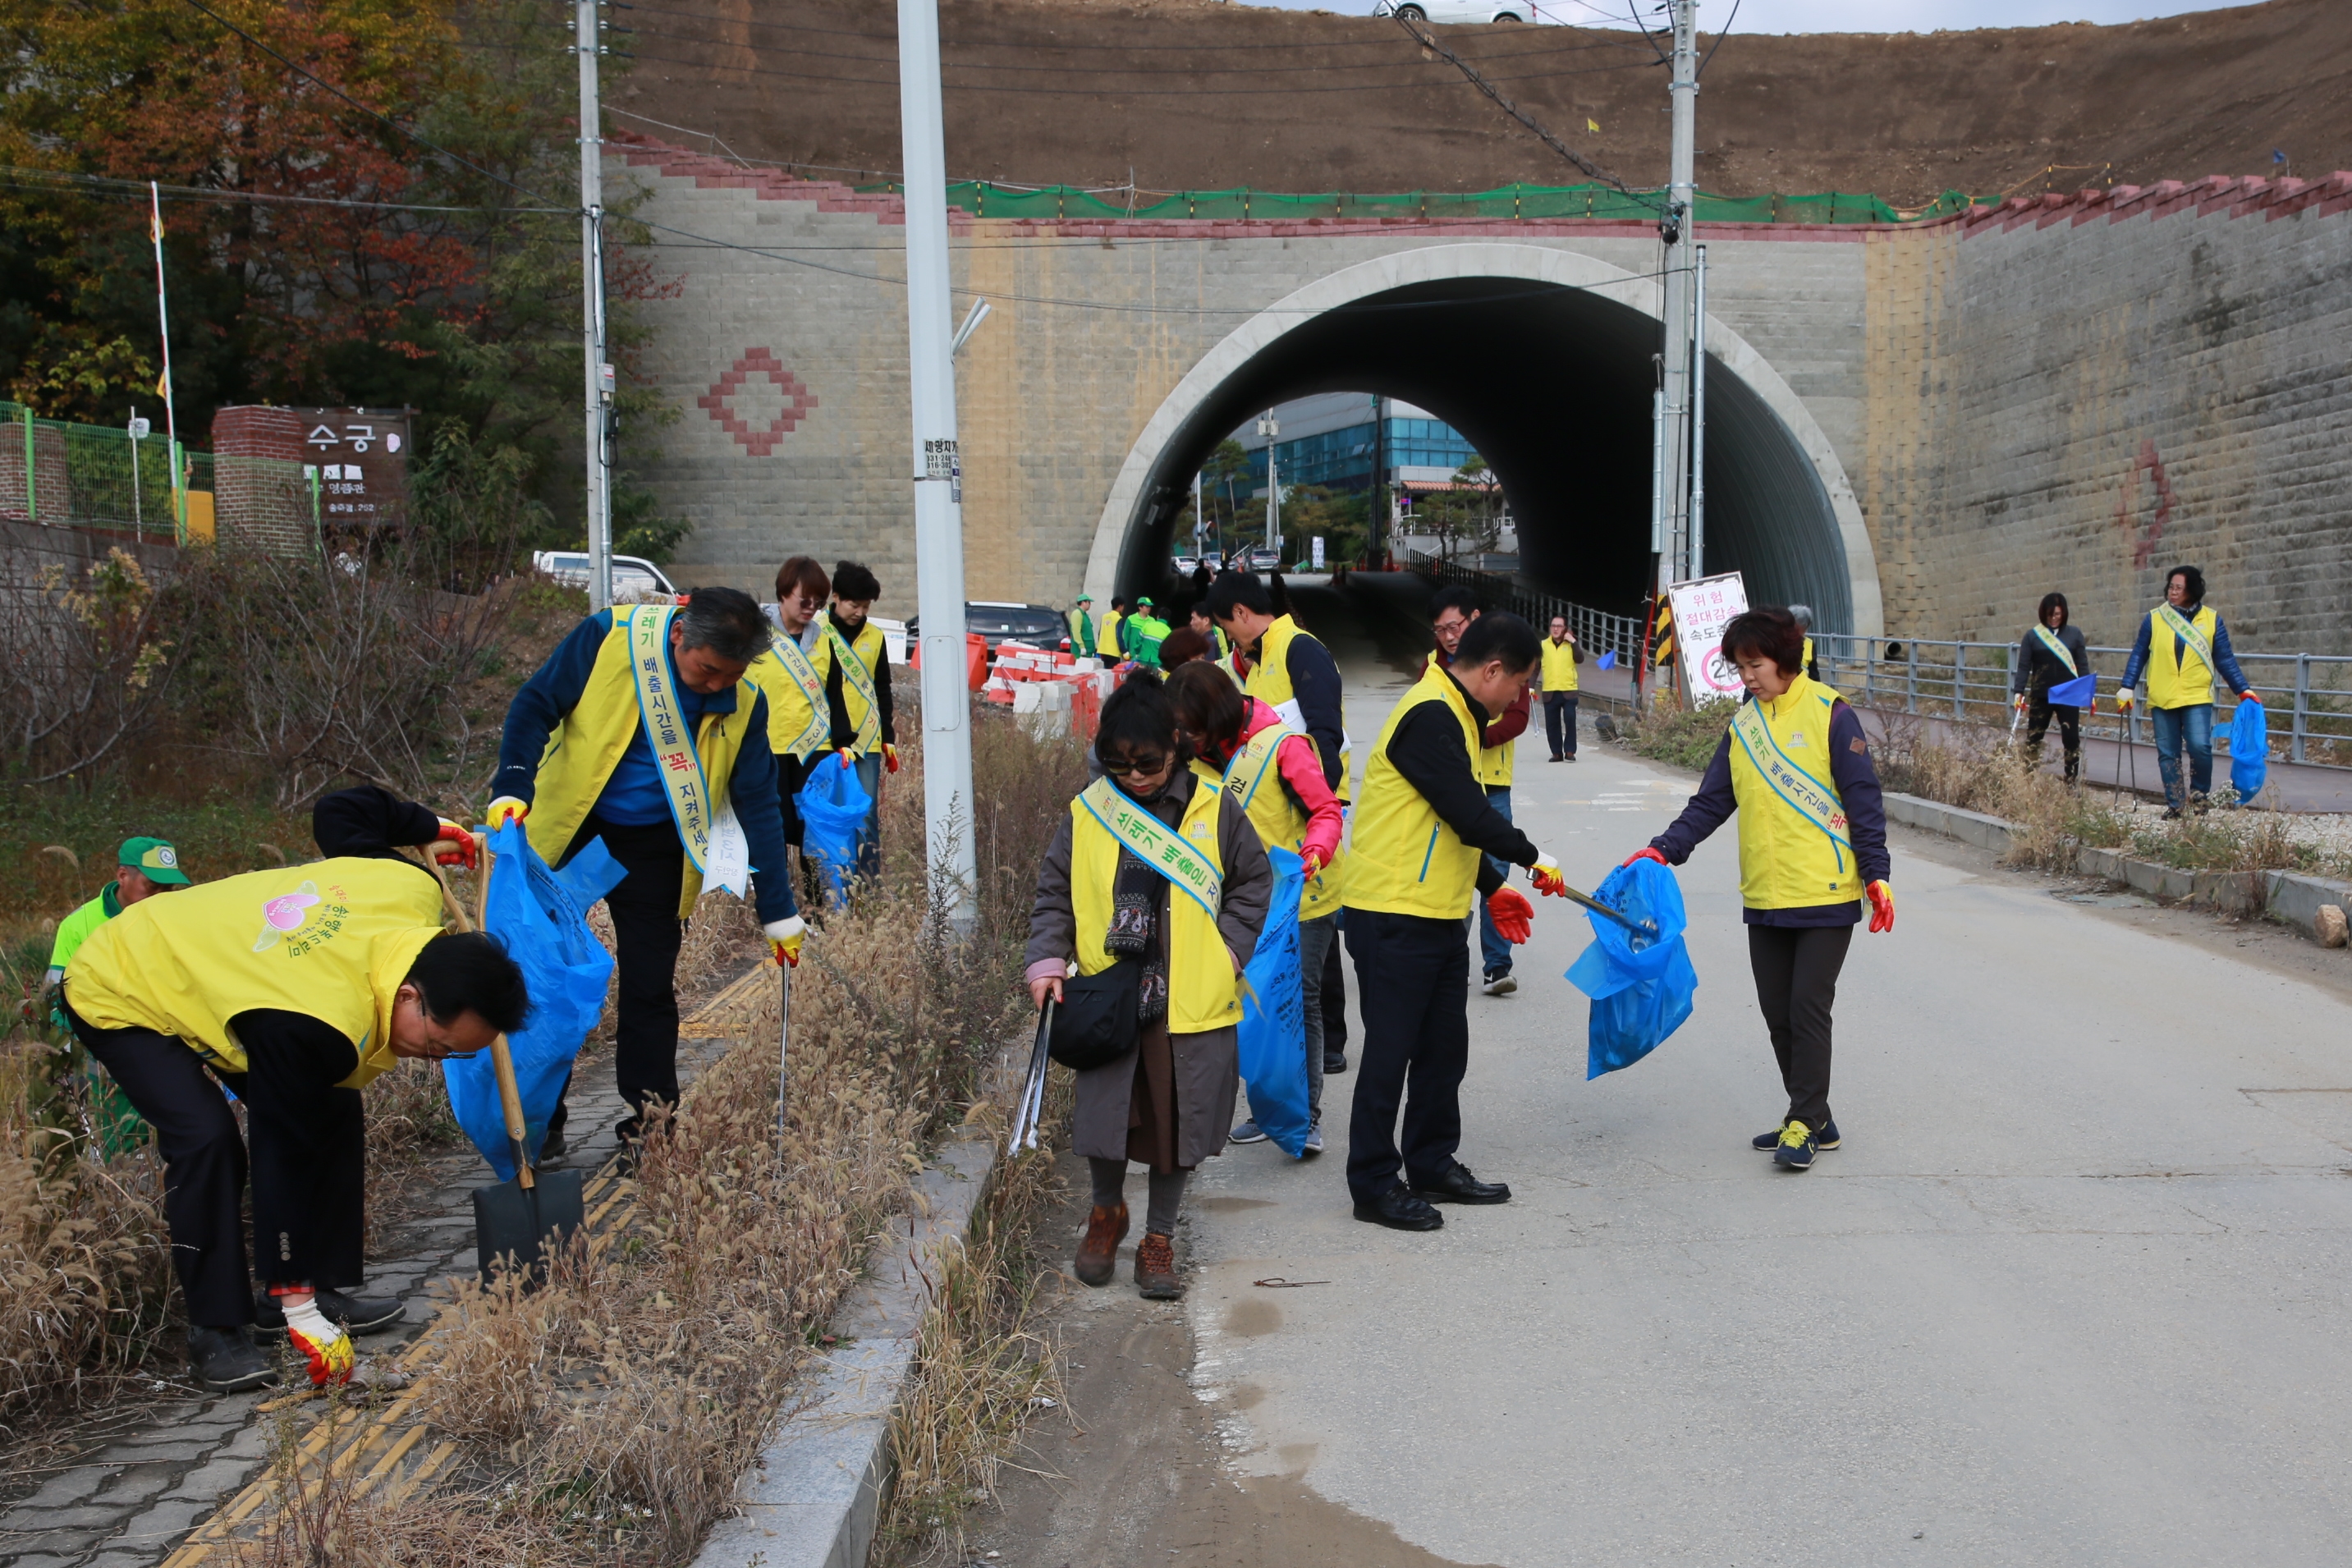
[[1120, 768]]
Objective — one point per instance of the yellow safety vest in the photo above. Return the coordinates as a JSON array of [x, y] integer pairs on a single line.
[[332, 939], [1255, 779], [866, 648], [1795, 850], [1203, 990], [800, 721], [2189, 680], [1402, 857], [1805, 659], [1558, 666], [1107, 636], [1269, 682], [1494, 762], [587, 745]]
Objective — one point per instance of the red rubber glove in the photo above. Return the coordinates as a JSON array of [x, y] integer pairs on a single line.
[[1882, 905], [2249, 695], [848, 758], [455, 846], [1311, 863], [1546, 876], [1647, 853], [326, 1348], [1514, 917], [890, 757]]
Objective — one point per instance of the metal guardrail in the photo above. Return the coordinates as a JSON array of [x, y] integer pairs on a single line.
[[2306, 697]]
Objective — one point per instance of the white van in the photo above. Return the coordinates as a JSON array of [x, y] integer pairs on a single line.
[[635, 579]]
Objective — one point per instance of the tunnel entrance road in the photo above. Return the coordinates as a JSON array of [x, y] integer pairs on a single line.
[[1544, 360], [2073, 1291]]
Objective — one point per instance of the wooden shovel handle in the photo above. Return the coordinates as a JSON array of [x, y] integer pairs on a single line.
[[501, 1059]]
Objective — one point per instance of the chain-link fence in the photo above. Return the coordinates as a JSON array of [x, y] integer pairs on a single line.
[[89, 475]]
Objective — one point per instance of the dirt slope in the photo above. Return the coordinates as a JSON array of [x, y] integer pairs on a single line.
[[1192, 94]]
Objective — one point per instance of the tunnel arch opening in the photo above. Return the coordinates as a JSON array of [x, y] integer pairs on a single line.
[[1543, 359]]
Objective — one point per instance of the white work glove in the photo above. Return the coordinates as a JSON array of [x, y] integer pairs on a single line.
[[322, 1343], [784, 938], [2124, 700]]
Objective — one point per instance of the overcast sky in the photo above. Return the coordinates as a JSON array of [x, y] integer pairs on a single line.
[[1844, 16]]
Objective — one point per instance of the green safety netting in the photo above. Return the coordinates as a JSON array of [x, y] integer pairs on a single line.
[[986, 198], [56, 472]]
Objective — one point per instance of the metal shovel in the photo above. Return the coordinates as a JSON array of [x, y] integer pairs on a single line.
[[516, 1223]]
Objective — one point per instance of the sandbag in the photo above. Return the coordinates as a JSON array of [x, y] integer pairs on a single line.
[[833, 808], [2250, 750], [1272, 1044], [541, 916], [1640, 988]]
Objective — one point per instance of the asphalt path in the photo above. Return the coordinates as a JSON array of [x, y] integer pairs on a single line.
[[2072, 1293]]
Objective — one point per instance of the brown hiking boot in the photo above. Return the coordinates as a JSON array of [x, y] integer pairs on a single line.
[[1155, 1270], [1098, 1253]]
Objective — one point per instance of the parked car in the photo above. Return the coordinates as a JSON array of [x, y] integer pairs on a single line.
[[635, 579], [1455, 11], [1265, 560], [998, 620]]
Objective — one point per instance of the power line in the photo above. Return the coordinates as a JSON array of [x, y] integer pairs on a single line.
[[1728, 21], [21, 178]]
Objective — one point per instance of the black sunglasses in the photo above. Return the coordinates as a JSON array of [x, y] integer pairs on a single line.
[[1121, 768]]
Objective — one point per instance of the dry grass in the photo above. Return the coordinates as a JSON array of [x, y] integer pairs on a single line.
[[85, 1268], [1670, 732]]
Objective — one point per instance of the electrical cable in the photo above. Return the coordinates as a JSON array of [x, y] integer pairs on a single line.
[[1728, 21], [30, 179]]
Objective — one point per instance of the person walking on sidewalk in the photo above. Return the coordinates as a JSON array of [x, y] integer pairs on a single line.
[[855, 662], [800, 723], [1794, 764], [1557, 678], [1427, 841], [2052, 654], [1454, 609], [1276, 773], [1157, 868], [641, 730], [293, 988], [2182, 645]]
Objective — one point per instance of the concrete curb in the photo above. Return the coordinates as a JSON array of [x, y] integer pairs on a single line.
[[2285, 896], [814, 1496]]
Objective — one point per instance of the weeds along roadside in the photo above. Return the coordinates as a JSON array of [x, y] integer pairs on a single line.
[[608, 1417], [1978, 767]]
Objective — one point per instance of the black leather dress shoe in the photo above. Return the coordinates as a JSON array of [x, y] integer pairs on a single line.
[[1459, 1186], [1399, 1210]]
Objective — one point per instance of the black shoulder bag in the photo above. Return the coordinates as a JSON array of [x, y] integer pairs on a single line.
[[1093, 1023]]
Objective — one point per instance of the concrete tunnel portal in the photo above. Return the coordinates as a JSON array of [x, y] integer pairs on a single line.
[[1550, 377]]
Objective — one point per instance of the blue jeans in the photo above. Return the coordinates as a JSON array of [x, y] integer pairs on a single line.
[[1493, 952], [2195, 725], [869, 834]]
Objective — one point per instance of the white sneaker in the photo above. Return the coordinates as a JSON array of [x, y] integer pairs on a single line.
[[1247, 1132]]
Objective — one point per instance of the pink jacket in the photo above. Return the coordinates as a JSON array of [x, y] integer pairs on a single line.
[[1302, 768]]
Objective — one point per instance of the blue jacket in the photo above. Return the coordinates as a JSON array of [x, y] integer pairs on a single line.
[[2225, 663], [554, 691]]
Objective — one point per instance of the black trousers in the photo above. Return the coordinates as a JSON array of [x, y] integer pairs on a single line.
[[307, 1164], [647, 931], [1796, 971], [1412, 980], [1560, 723], [2070, 734], [1335, 993]]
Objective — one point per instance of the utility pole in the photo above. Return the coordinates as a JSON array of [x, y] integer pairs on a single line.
[[597, 430], [1376, 514], [1270, 427], [1698, 414], [948, 805], [1671, 504]]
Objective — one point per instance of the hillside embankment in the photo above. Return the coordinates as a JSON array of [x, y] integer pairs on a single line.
[[1197, 94]]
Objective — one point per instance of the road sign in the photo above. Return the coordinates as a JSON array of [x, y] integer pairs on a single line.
[[361, 456], [1703, 607]]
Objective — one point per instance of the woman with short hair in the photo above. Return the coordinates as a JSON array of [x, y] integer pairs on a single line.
[[2052, 654], [1159, 868], [1794, 764]]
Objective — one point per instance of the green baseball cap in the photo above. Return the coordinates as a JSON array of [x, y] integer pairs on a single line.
[[1145, 600], [1085, 599], [153, 859]]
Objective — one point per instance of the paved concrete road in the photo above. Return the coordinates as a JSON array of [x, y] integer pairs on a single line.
[[2072, 1293]]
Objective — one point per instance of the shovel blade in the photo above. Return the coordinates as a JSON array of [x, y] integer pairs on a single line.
[[510, 1222]]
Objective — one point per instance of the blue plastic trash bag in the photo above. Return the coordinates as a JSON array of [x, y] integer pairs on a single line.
[[2250, 751], [1641, 989], [1608, 659], [541, 917], [833, 808], [1274, 1020], [2075, 693]]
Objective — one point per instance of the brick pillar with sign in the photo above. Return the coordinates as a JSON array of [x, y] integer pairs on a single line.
[[261, 493]]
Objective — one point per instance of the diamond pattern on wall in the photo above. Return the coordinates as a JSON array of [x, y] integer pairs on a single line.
[[720, 400]]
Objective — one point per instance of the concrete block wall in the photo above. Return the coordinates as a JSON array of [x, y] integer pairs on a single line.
[[2066, 392]]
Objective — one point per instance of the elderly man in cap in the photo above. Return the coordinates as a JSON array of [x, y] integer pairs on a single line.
[[143, 866]]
